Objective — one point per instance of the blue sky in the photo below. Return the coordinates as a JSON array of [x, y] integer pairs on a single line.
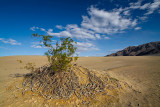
[[100, 27]]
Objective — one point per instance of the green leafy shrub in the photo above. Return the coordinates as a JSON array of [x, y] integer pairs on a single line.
[[61, 55]]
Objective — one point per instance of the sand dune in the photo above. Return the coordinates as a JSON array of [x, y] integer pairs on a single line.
[[141, 73]]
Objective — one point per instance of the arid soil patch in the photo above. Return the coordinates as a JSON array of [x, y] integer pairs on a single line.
[[132, 81]]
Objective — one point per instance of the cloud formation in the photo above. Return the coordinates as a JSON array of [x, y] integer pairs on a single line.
[[10, 41], [149, 7], [85, 46], [37, 45], [137, 28], [106, 22], [59, 26], [36, 28], [100, 22]]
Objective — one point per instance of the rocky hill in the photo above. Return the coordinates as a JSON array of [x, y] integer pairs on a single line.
[[152, 48]]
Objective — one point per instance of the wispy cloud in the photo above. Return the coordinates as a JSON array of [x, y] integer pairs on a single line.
[[36, 28], [40, 44], [150, 7], [138, 28], [145, 7], [86, 46], [10, 41], [153, 6], [97, 23], [106, 22], [37, 45], [72, 30], [59, 26], [98, 36], [106, 37]]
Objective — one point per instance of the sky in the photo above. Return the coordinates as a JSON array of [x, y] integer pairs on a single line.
[[99, 27]]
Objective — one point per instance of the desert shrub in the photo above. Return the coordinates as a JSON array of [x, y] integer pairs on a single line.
[[61, 55], [50, 82], [20, 61], [30, 66]]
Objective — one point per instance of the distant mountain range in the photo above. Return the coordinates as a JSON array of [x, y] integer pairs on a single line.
[[152, 48]]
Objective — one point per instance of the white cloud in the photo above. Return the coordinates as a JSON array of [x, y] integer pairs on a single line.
[[34, 28], [106, 22], [10, 41], [37, 28], [85, 46], [127, 12], [106, 37], [143, 18], [97, 23], [98, 36], [145, 6], [42, 29], [138, 28], [153, 6], [60, 34], [40, 44], [150, 7], [72, 30], [135, 5], [36, 46], [59, 26]]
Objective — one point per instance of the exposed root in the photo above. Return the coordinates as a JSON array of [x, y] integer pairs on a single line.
[[64, 84]]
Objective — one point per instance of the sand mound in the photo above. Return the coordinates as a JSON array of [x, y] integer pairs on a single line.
[[63, 84], [78, 86]]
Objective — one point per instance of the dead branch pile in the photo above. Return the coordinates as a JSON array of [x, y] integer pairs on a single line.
[[61, 84]]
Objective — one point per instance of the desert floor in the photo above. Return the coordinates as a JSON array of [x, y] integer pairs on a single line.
[[141, 73]]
